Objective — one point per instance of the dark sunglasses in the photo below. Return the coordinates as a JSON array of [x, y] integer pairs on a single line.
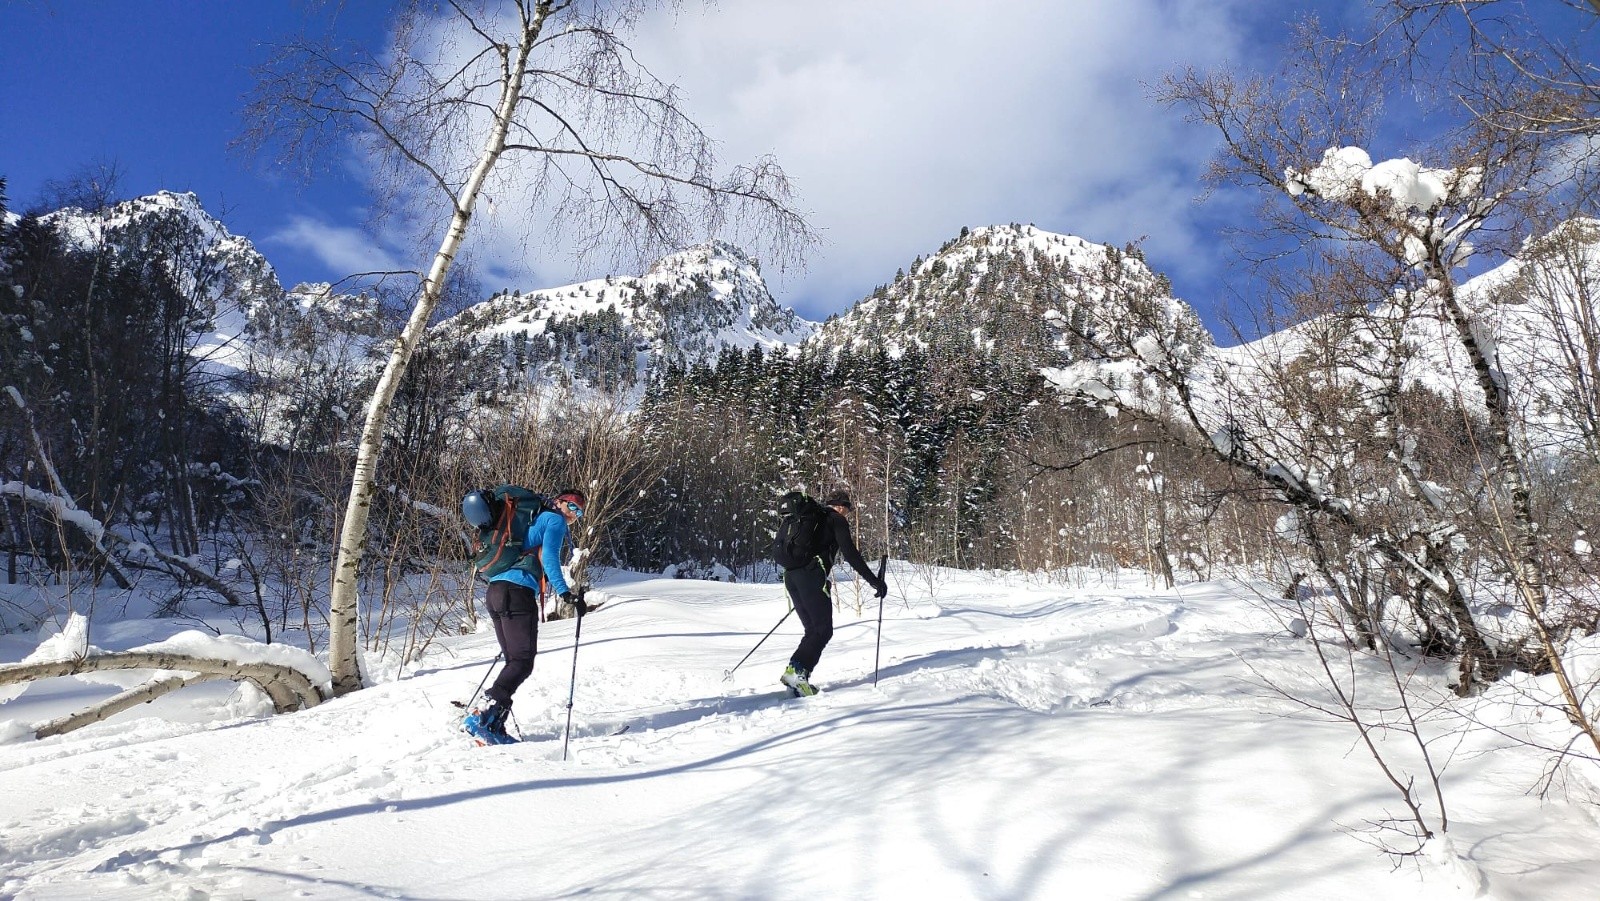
[[574, 509]]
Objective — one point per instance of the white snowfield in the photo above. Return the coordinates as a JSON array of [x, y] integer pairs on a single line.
[[1025, 740]]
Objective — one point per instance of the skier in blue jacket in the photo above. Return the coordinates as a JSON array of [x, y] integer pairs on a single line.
[[514, 602]]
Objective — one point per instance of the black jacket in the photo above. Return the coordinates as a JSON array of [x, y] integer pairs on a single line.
[[836, 538]]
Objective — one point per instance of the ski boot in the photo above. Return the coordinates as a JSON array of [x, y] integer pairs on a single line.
[[487, 725], [798, 681]]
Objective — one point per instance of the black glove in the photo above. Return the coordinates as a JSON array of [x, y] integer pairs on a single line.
[[576, 602], [882, 589]]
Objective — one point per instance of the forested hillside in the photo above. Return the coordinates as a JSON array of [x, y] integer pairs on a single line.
[[927, 398]]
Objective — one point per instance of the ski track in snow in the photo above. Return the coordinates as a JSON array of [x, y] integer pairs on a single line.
[[965, 678]]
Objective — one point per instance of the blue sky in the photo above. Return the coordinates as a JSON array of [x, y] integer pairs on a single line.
[[157, 88], [902, 122]]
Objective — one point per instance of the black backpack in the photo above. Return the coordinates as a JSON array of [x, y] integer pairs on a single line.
[[800, 538], [499, 544]]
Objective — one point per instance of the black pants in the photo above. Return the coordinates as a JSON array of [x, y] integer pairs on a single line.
[[808, 590], [514, 610]]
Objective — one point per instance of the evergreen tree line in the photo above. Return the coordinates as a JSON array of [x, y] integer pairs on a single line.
[[966, 461]]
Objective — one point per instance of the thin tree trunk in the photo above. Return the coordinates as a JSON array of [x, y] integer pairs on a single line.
[[1520, 535], [1521, 541], [343, 604]]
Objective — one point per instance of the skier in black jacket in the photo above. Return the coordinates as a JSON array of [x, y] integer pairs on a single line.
[[808, 591]]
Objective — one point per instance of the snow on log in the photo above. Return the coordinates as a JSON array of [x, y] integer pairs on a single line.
[[289, 688]]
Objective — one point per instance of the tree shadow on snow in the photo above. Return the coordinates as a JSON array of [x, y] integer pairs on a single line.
[[1162, 796]]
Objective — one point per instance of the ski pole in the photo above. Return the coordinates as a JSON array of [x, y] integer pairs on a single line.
[[883, 566], [729, 674], [485, 678], [572, 686]]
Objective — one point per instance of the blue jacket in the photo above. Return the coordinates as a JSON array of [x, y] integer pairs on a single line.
[[548, 533]]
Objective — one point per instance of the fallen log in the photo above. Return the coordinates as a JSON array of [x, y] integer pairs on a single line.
[[288, 688], [112, 706]]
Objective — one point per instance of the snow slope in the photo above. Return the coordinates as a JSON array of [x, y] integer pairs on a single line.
[[1025, 739]]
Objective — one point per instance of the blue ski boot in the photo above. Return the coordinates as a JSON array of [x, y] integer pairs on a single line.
[[487, 725]]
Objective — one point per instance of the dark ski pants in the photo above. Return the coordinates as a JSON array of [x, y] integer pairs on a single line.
[[808, 591], [514, 610]]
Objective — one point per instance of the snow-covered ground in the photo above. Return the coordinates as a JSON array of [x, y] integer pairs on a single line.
[[1024, 739]]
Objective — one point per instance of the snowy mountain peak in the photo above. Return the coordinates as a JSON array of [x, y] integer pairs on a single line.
[[242, 314], [686, 308], [996, 289], [717, 256], [91, 228], [1027, 240], [186, 203]]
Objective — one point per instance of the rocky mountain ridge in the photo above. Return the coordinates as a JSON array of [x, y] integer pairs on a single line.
[[608, 332], [1004, 292]]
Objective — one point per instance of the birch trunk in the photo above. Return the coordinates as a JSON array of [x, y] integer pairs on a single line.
[[1520, 534], [343, 656]]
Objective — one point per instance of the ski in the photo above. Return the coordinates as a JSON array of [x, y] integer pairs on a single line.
[[486, 743], [480, 741]]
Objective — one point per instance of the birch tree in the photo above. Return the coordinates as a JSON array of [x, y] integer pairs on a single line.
[[475, 98]]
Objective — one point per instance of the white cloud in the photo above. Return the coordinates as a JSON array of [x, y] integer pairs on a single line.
[[901, 121], [341, 248]]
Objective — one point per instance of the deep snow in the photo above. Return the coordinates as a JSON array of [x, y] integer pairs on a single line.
[[1026, 738]]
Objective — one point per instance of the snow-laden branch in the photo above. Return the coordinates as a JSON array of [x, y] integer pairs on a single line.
[[114, 705], [67, 513], [64, 509], [1413, 197]]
